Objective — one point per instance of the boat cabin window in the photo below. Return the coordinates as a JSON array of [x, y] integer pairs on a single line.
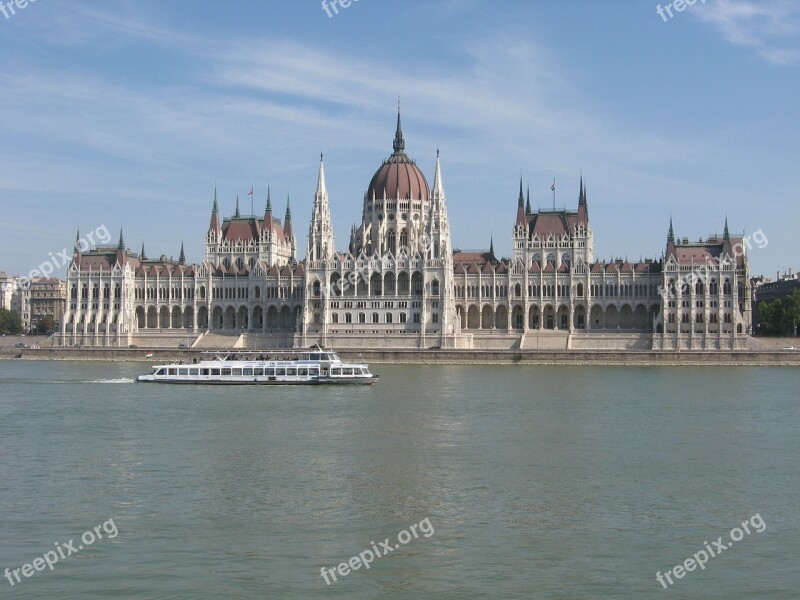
[[315, 357], [173, 371], [347, 371], [247, 371], [280, 371], [302, 372], [183, 371], [215, 372], [291, 372], [236, 372], [336, 371], [226, 371], [161, 372], [204, 371], [258, 372], [269, 372], [194, 371], [314, 372]]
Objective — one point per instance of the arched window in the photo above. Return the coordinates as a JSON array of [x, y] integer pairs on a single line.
[[435, 287]]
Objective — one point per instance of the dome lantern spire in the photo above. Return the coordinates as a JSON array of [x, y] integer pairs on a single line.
[[399, 143]]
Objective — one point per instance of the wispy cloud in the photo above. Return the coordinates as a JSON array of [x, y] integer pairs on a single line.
[[770, 27]]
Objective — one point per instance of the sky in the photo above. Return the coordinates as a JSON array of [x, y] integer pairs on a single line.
[[128, 114]]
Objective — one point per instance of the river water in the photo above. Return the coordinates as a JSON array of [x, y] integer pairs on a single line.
[[520, 481]]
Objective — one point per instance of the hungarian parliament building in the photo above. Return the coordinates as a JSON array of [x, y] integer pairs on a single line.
[[400, 284]]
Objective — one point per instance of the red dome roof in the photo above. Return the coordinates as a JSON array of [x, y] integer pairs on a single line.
[[398, 177]]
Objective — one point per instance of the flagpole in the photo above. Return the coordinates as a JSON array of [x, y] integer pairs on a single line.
[[554, 194]]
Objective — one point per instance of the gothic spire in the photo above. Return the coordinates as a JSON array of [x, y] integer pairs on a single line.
[[438, 188], [182, 257], [727, 235], [141, 254], [399, 142], [321, 185], [528, 202], [521, 205], [121, 244], [671, 235], [236, 214]]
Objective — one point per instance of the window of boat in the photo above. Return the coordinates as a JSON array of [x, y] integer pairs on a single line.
[[160, 372], [194, 371], [269, 372], [302, 372], [291, 371], [204, 371], [183, 371], [173, 371], [313, 372], [336, 371], [258, 372], [280, 372], [347, 371], [226, 371], [215, 371], [364, 372], [315, 357], [248, 371], [236, 372]]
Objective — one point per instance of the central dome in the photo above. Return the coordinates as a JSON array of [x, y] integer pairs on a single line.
[[398, 177]]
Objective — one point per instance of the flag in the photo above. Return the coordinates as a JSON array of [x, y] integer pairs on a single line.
[[250, 193], [553, 187]]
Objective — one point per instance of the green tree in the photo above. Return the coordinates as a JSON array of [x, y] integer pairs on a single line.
[[9, 322]]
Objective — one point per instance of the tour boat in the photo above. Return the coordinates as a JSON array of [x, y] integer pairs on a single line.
[[314, 366]]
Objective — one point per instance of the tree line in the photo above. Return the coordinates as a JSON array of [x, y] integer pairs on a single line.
[[780, 316]]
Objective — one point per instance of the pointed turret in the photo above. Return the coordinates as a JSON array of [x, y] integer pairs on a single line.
[[121, 249], [521, 205], [182, 257], [583, 207], [287, 220], [491, 245], [528, 202], [267, 225], [141, 254], [236, 214], [671, 234], [76, 249], [215, 224], [726, 236]]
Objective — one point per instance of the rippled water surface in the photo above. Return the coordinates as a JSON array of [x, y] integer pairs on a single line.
[[538, 482]]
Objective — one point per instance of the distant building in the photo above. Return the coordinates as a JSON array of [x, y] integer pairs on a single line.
[[8, 289], [46, 298], [399, 284]]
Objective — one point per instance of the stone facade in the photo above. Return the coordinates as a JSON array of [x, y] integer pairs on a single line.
[[400, 285]]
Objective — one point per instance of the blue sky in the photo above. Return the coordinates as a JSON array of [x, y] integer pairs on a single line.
[[127, 113]]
